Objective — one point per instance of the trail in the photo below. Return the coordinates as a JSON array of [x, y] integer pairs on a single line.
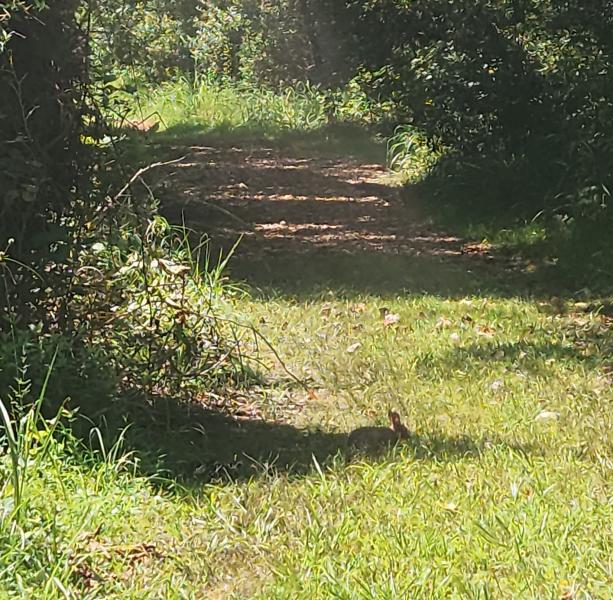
[[308, 218]]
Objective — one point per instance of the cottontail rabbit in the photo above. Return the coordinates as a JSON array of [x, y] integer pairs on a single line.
[[372, 437]]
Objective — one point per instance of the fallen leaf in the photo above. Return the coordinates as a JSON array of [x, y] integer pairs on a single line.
[[485, 331], [451, 507], [547, 415], [567, 591], [455, 337], [138, 552], [443, 323], [351, 349], [88, 577], [391, 319]]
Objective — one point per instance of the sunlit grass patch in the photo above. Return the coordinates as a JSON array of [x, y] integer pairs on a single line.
[[503, 489], [217, 107]]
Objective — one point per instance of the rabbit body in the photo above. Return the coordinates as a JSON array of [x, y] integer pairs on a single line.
[[373, 437]]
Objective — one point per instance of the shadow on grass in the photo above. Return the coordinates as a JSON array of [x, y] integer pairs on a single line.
[[566, 245], [195, 445], [346, 139], [354, 273], [531, 357]]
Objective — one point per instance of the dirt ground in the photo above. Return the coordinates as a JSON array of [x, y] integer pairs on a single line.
[[307, 221]]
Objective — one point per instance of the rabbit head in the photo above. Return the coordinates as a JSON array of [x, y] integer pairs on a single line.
[[397, 426]]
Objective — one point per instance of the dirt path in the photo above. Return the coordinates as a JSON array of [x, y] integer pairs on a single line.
[[311, 220]]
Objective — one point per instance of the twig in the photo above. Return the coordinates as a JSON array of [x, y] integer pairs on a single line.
[[297, 379], [224, 211], [141, 172]]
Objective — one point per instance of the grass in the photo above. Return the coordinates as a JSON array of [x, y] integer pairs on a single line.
[[492, 497], [240, 108], [569, 255], [502, 491]]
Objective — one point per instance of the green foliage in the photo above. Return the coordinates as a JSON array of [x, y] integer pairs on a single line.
[[136, 42], [41, 160], [37, 129], [411, 154], [518, 89], [24, 438], [236, 107], [274, 43], [159, 312], [82, 378], [92, 271]]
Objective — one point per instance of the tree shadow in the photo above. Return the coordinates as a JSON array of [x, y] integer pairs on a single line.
[[582, 340], [314, 213], [567, 247], [309, 222], [350, 274], [193, 444], [335, 139]]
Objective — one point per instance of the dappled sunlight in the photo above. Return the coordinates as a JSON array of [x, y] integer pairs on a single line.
[[289, 206]]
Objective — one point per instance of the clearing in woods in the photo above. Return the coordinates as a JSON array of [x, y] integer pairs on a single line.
[[503, 489]]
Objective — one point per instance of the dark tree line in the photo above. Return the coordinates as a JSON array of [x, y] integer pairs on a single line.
[[42, 74]]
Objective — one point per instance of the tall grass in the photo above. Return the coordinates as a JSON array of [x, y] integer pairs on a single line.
[[214, 106], [221, 107], [411, 155], [49, 483], [25, 432]]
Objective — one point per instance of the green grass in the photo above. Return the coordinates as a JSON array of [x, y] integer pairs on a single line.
[[486, 500], [230, 108], [566, 255], [240, 108]]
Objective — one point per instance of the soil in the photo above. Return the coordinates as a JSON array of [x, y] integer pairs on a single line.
[[307, 221]]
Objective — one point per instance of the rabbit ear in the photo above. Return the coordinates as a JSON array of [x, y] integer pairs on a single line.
[[395, 419]]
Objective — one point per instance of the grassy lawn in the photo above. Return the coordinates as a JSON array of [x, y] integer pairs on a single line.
[[502, 491]]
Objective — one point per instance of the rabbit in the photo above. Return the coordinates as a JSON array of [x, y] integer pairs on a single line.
[[372, 437]]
